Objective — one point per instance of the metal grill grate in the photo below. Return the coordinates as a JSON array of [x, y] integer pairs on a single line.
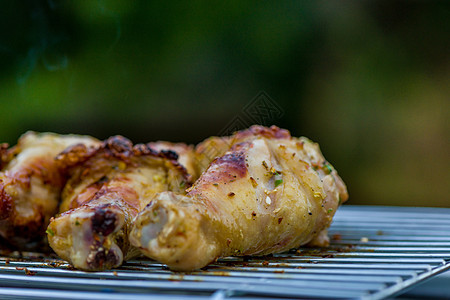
[[376, 252]]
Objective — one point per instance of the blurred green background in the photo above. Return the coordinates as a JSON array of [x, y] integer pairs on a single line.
[[368, 80]]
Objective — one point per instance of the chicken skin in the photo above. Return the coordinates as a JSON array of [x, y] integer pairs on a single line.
[[268, 193], [30, 186], [108, 186], [212, 147], [186, 155]]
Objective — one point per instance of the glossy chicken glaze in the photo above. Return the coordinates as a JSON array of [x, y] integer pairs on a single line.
[[30, 186], [108, 186], [267, 193]]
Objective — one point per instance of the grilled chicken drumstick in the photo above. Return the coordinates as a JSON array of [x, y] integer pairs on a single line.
[[108, 186], [268, 193], [30, 186]]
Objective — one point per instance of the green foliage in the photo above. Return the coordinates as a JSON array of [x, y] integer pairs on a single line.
[[368, 80]]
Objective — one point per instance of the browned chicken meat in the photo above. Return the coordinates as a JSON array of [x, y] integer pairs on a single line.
[[108, 186], [186, 155], [268, 193], [30, 186]]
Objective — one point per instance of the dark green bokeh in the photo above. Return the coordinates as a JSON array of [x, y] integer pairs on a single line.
[[369, 80]]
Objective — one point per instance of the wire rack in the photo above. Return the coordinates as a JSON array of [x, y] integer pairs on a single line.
[[376, 252]]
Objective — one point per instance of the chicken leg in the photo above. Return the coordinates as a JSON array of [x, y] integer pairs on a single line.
[[268, 193], [30, 186], [108, 186]]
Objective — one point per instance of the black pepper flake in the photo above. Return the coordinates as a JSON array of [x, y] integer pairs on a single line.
[[310, 213], [231, 194]]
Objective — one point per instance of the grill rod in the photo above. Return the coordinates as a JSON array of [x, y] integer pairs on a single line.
[[376, 252]]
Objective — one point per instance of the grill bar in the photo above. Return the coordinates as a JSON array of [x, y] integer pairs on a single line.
[[375, 253]]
